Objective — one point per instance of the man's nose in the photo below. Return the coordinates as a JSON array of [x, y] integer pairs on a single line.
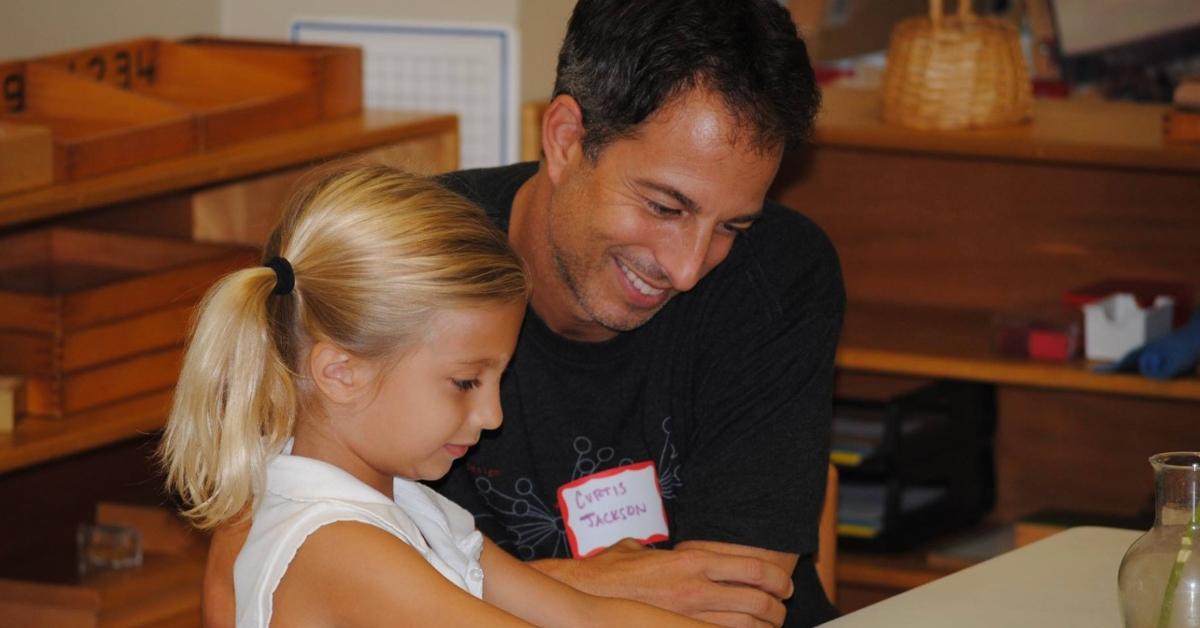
[[689, 259]]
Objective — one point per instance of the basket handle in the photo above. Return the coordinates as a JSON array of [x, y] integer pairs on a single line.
[[935, 11]]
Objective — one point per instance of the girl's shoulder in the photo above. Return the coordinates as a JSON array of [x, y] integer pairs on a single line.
[[349, 569], [350, 573]]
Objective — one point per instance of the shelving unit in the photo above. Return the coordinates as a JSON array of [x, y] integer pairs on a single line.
[[939, 232], [423, 142], [106, 453], [926, 468]]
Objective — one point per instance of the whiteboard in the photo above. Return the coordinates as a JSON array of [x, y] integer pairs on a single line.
[[469, 69]]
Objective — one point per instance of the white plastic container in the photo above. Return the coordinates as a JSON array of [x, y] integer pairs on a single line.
[[1116, 325]]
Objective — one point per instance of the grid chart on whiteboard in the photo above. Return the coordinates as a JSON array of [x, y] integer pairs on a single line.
[[469, 70]]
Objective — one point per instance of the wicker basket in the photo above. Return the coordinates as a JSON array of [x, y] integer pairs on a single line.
[[955, 72]]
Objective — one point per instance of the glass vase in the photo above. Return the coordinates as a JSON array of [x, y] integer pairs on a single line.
[[1159, 579]]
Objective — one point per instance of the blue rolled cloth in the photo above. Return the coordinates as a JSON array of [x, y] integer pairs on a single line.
[[1165, 357]]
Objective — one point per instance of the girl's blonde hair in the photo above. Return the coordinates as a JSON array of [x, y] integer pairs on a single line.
[[375, 252]]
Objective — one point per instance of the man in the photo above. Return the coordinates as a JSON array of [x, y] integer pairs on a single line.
[[677, 319]]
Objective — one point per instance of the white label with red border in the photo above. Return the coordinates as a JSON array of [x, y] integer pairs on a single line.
[[602, 508]]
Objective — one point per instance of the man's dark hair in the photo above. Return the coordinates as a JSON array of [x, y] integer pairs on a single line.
[[622, 60]]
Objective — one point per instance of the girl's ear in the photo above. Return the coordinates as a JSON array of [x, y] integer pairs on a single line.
[[337, 374], [562, 135]]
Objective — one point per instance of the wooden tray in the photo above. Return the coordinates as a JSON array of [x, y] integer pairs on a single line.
[[26, 156], [88, 318], [234, 100], [96, 127], [334, 74]]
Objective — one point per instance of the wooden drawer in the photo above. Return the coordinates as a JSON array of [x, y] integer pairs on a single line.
[[88, 318]]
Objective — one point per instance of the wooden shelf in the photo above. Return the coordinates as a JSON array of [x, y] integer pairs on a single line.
[[947, 343], [164, 591], [901, 571], [1062, 131], [317, 142], [38, 439]]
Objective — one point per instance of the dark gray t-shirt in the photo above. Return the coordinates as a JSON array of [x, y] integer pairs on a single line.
[[728, 390]]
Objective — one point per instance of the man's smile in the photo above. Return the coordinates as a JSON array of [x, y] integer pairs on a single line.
[[644, 294]]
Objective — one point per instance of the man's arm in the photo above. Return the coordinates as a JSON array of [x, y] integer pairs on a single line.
[[722, 583]]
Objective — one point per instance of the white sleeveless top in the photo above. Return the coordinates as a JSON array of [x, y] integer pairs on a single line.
[[304, 494]]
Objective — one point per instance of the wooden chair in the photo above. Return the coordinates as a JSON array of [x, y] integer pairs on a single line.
[[531, 150], [827, 537], [531, 129]]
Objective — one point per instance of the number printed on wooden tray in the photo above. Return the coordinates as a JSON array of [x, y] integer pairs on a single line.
[[13, 84], [126, 65]]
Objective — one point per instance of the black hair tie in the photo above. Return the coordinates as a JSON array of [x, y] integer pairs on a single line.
[[285, 279]]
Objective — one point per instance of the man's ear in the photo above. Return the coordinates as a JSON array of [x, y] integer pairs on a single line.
[[562, 135], [337, 374]]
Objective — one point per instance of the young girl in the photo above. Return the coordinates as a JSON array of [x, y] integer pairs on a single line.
[[364, 355]]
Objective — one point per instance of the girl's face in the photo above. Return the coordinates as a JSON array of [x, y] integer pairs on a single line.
[[434, 403]]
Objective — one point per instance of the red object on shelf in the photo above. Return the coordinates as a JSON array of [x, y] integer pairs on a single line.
[[1051, 88], [1050, 334], [1057, 344], [1144, 290], [827, 74]]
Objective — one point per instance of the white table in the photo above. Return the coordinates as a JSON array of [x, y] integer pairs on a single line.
[[1069, 579]]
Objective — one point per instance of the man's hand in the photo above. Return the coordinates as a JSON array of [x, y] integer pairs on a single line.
[[731, 585], [218, 604]]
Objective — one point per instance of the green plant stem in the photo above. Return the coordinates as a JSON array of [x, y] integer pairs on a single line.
[[1181, 558]]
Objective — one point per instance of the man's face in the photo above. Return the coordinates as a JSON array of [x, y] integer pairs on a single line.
[[653, 215]]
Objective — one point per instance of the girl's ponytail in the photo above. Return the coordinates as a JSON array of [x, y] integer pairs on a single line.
[[234, 403]]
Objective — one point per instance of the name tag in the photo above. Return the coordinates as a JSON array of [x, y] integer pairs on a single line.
[[603, 508]]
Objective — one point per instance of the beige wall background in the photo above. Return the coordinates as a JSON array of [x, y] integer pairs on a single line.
[[542, 24], [35, 27]]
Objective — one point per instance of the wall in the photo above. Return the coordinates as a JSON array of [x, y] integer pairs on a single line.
[[270, 18], [541, 24], [35, 27]]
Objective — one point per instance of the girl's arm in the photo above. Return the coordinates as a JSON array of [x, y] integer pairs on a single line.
[[539, 599], [354, 574]]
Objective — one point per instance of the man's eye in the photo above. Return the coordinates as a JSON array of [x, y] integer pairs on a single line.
[[465, 384], [737, 227], [663, 210]]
